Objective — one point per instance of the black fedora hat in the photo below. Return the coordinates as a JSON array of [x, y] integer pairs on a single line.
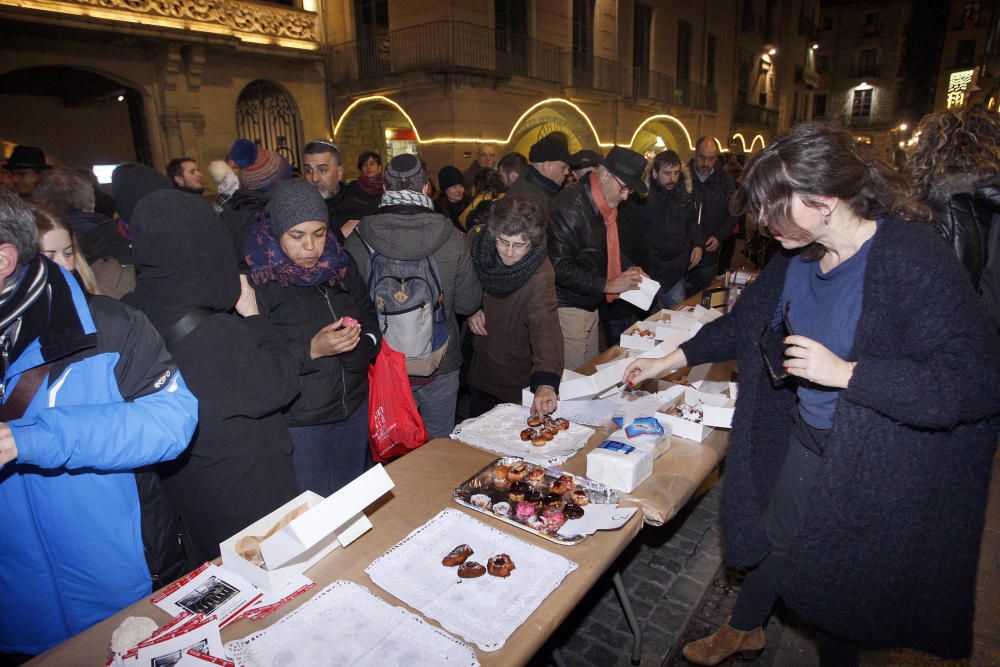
[[27, 157], [583, 159], [628, 166]]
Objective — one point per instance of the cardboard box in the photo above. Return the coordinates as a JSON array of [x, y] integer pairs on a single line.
[[328, 523], [632, 339], [717, 411]]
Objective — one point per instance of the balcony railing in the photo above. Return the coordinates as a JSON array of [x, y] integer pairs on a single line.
[[593, 72], [248, 21], [445, 46], [751, 114], [699, 96], [652, 85]]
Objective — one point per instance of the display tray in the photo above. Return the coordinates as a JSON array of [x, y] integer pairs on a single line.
[[483, 483]]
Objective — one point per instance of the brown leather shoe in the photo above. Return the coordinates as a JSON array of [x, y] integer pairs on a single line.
[[724, 642]]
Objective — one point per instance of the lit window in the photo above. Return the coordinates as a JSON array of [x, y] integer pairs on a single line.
[[862, 105]]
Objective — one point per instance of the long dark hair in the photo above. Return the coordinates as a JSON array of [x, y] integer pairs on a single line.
[[819, 160]]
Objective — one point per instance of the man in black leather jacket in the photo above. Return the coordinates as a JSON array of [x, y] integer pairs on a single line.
[[711, 190], [578, 235]]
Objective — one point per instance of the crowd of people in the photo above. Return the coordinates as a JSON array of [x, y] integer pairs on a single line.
[[205, 359]]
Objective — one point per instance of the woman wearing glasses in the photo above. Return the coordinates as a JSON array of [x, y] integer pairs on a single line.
[[867, 419], [518, 341]]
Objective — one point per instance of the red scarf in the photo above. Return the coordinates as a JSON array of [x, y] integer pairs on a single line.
[[610, 216]]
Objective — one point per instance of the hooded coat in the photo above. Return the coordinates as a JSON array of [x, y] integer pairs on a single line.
[[887, 550], [239, 465], [411, 232]]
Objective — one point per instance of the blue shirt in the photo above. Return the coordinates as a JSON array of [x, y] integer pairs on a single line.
[[825, 307]]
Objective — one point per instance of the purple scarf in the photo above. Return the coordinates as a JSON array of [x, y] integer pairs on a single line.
[[267, 261]]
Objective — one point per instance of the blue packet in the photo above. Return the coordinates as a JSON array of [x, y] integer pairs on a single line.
[[644, 426], [615, 446]]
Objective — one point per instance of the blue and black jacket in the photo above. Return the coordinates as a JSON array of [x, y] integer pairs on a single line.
[[71, 543]]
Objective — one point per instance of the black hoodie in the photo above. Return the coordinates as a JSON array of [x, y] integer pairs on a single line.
[[239, 465]]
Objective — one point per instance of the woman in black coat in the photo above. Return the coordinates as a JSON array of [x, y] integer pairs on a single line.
[[955, 168], [860, 455], [239, 464], [311, 289]]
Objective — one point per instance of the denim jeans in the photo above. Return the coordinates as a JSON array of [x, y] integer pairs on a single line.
[[702, 275], [437, 401], [671, 297], [328, 456]]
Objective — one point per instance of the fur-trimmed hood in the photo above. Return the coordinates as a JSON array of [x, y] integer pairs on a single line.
[[946, 187]]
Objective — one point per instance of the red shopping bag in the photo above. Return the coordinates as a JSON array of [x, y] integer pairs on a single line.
[[394, 423]]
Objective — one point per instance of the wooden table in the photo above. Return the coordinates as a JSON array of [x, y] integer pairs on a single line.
[[424, 482]]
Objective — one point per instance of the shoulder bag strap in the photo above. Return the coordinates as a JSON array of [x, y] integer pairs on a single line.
[[26, 388]]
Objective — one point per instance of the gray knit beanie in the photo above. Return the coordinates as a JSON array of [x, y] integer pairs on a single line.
[[293, 202]]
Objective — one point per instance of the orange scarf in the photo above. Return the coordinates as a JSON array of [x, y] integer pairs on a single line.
[[610, 216]]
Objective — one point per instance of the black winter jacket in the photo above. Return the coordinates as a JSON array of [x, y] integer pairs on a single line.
[[239, 465], [669, 231], [578, 248], [331, 388], [963, 212], [712, 197], [350, 203]]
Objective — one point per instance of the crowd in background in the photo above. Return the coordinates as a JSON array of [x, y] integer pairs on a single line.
[[269, 301]]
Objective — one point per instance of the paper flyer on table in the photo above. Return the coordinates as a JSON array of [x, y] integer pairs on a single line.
[[598, 517], [644, 295], [210, 589]]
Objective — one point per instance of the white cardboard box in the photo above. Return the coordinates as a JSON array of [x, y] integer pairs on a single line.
[[632, 339], [718, 413], [328, 523]]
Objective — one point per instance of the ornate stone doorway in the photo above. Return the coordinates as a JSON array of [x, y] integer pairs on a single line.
[[267, 115]]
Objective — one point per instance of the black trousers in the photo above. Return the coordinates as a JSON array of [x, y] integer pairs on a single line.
[[782, 519]]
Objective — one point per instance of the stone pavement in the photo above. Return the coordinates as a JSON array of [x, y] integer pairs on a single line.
[[680, 592], [666, 571]]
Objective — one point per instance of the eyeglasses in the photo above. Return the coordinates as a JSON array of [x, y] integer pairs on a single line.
[[773, 353], [507, 245], [622, 188]]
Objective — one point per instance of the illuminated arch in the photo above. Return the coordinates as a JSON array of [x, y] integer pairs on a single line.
[[586, 122], [743, 142], [667, 123], [554, 115]]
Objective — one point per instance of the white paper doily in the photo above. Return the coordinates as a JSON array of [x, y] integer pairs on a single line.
[[499, 431], [344, 624], [485, 610]]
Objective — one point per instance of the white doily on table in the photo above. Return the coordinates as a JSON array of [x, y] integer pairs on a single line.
[[344, 624], [499, 431], [485, 610]]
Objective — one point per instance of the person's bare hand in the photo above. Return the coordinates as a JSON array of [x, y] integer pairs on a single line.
[[641, 370], [334, 339], [477, 323], [696, 255], [813, 361], [623, 282], [545, 402], [8, 448], [246, 305], [711, 244]]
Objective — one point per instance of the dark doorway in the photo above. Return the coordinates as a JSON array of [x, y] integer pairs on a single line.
[[79, 116]]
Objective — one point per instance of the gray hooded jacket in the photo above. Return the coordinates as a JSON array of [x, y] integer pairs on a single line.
[[410, 232]]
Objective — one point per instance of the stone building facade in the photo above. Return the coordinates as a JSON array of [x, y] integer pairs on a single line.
[[859, 61]]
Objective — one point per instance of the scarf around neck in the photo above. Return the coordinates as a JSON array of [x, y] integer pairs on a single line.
[[372, 186], [610, 216], [498, 279], [268, 262], [22, 290], [405, 197]]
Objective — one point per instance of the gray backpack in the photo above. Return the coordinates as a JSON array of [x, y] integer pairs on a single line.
[[410, 306]]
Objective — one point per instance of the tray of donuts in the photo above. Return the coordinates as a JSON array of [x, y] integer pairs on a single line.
[[532, 497]]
